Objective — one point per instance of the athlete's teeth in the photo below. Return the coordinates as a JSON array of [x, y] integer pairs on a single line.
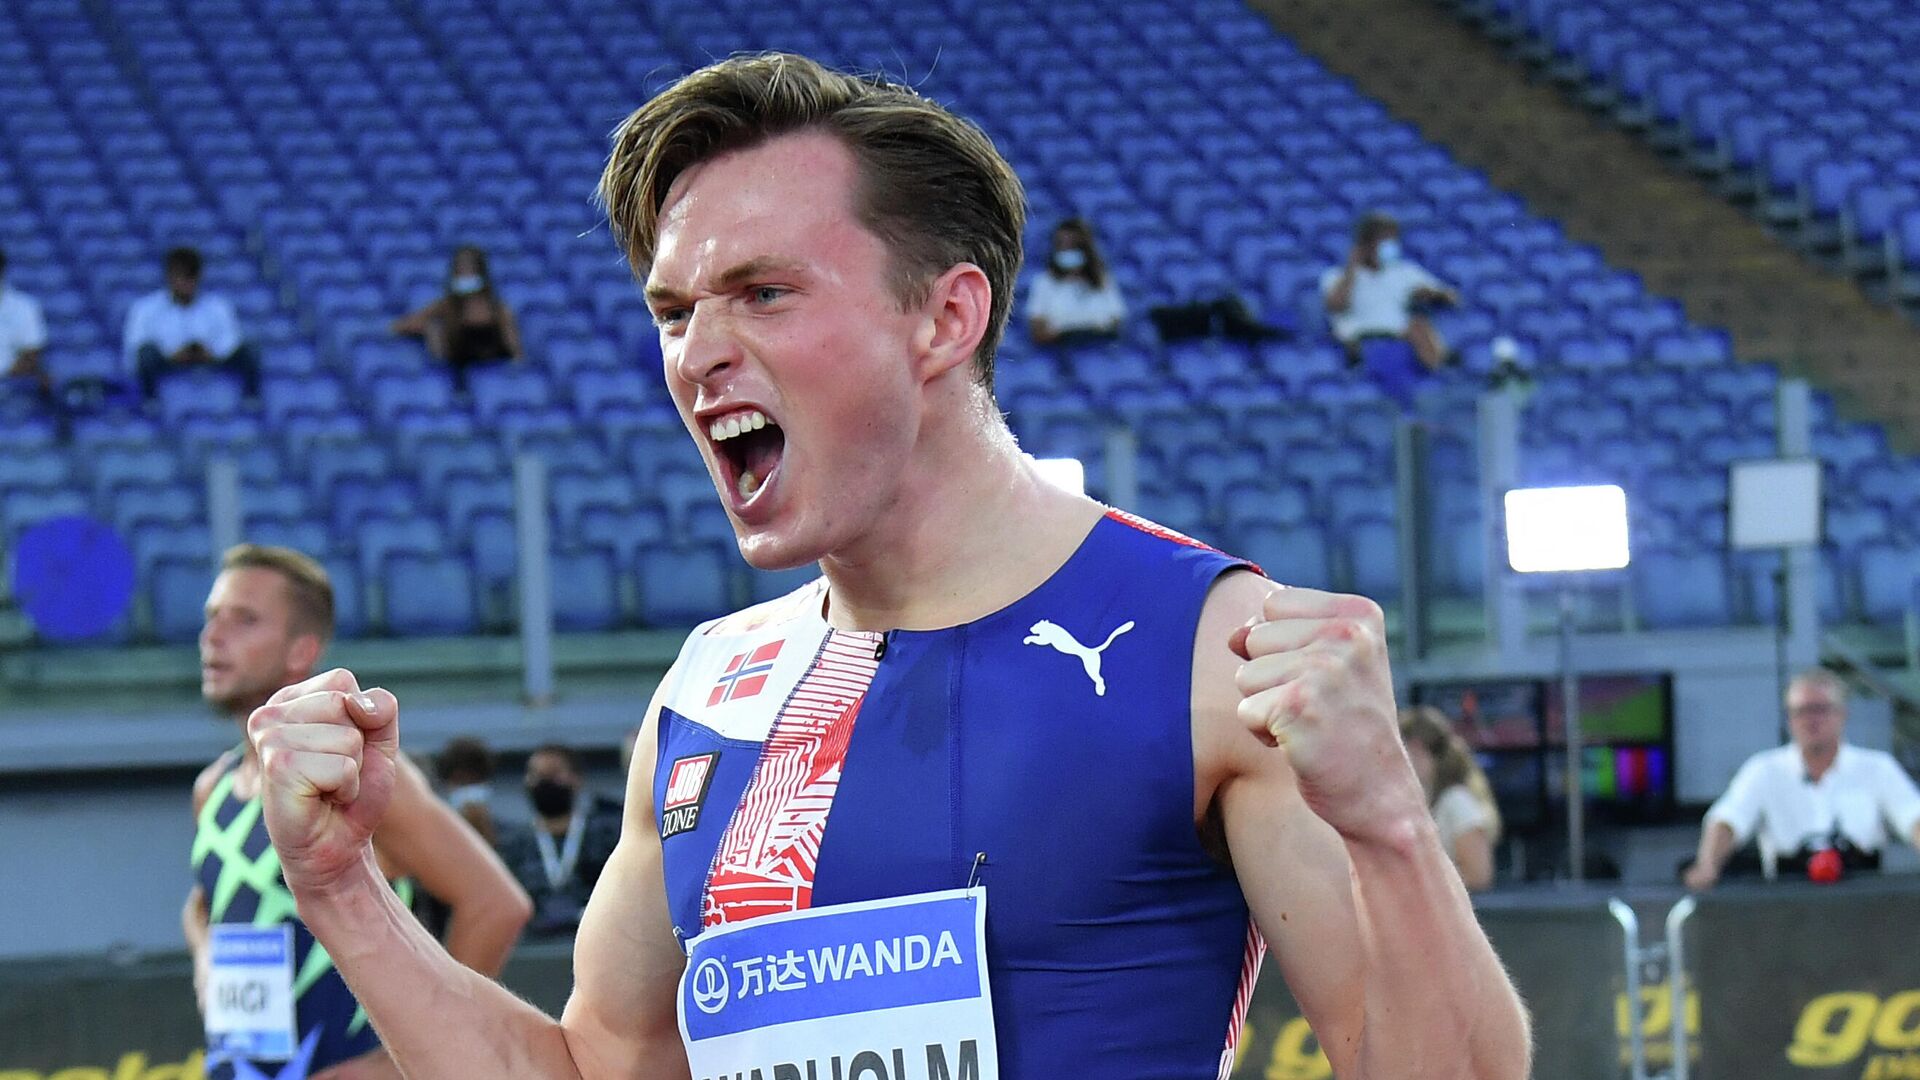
[[759, 421], [748, 485], [734, 427], [717, 431]]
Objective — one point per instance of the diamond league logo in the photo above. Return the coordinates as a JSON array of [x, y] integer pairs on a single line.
[[710, 986]]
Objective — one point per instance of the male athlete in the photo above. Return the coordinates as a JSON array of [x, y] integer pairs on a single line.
[[1009, 730], [268, 620]]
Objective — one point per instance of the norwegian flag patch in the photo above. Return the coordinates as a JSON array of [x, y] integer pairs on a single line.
[[746, 674]]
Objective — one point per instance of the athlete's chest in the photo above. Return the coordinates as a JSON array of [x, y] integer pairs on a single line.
[[806, 767]]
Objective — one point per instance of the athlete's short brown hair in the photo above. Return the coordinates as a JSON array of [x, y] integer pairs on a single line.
[[932, 185], [308, 586]]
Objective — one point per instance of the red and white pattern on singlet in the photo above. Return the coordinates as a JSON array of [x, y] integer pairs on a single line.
[[767, 858], [1250, 960]]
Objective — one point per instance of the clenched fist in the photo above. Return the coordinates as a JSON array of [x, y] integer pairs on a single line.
[[328, 760], [1316, 682]]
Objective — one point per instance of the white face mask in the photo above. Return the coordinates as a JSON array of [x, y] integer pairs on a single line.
[[469, 793], [1069, 259], [467, 284], [1388, 252]]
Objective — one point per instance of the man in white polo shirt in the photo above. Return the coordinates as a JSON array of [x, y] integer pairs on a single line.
[[23, 332], [1377, 291], [180, 327], [1818, 793]]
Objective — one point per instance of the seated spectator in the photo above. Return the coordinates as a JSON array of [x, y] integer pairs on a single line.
[[559, 855], [1457, 793], [1818, 798], [1075, 299], [469, 325], [23, 333], [1382, 293], [464, 768], [180, 327]]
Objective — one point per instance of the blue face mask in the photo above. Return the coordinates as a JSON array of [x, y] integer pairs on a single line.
[[1070, 259], [467, 284], [1388, 251]]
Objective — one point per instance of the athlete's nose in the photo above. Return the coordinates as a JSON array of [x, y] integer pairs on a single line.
[[708, 347]]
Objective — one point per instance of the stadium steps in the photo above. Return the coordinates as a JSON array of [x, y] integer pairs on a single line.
[[1610, 189]]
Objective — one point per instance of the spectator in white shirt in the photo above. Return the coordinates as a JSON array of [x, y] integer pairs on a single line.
[[1462, 803], [23, 333], [1820, 793], [1074, 299], [180, 327], [1380, 292]]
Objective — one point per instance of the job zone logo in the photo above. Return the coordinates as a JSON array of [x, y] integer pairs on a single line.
[[687, 781], [1839, 1028]]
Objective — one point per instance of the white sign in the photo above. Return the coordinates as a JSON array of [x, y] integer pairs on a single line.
[[885, 989], [250, 992]]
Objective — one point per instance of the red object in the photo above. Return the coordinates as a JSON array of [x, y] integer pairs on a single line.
[[1824, 867]]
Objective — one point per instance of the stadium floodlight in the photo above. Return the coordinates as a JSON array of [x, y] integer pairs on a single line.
[[1562, 529], [1566, 530], [1063, 472]]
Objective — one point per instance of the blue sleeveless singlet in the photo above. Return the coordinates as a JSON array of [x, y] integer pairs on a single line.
[[1045, 750]]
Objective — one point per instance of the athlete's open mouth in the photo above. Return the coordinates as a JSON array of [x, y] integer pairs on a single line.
[[751, 445]]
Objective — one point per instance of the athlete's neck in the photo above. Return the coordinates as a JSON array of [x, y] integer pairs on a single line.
[[973, 529]]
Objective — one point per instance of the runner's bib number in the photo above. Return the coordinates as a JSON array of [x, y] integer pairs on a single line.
[[883, 990], [250, 992]]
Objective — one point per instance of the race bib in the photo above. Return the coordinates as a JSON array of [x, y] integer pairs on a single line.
[[250, 992], [880, 990]]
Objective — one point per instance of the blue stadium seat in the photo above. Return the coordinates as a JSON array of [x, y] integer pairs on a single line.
[[502, 385], [428, 595], [1677, 589], [378, 538], [1373, 551], [115, 468], [177, 590], [1292, 555], [1889, 573], [681, 586], [765, 585], [585, 589], [133, 507], [495, 547], [154, 541], [289, 531]]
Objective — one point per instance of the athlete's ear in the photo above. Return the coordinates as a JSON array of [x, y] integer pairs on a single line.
[[954, 318]]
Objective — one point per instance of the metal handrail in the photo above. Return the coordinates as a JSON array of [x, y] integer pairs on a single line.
[[1677, 918], [1636, 1019]]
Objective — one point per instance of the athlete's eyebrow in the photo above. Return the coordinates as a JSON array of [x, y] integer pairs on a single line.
[[733, 277]]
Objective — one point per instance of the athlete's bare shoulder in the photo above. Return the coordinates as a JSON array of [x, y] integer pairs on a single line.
[[209, 777]]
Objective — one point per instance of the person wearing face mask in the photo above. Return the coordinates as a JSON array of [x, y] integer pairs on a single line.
[[1075, 299], [464, 768], [468, 325], [558, 856], [1380, 292]]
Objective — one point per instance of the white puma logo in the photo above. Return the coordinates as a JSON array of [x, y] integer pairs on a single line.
[[1052, 633]]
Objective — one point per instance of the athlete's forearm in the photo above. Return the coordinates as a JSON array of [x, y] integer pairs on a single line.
[[436, 1017], [1432, 977], [1716, 847]]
